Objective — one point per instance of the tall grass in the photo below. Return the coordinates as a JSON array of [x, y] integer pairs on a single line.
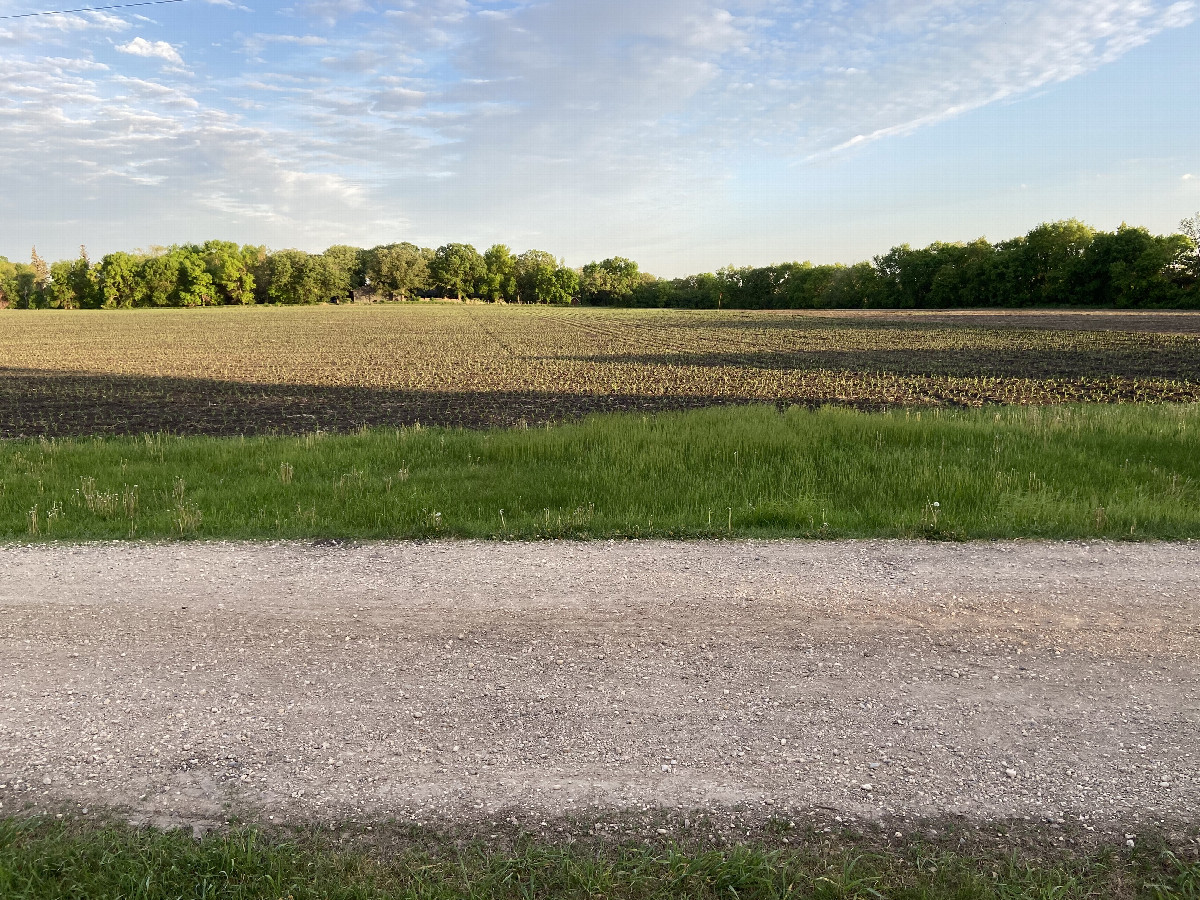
[[54, 862], [1123, 471]]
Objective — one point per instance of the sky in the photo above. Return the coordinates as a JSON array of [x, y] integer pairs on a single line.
[[685, 134]]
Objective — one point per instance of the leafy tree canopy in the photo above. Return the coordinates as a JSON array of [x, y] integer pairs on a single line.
[[457, 269]]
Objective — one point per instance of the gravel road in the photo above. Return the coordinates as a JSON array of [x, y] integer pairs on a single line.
[[308, 682]]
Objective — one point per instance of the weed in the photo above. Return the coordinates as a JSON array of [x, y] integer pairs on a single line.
[[47, 859], [623, 476]]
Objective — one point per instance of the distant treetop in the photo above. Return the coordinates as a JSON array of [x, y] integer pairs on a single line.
[[1063, 263]]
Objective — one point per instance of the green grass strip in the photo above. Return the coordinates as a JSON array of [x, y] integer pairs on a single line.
[[40, 861], [1117, 472]]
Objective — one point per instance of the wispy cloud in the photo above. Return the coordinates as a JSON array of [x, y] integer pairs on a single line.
[[580, 121]]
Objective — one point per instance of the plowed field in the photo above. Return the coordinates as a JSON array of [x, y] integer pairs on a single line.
[[230, 371]]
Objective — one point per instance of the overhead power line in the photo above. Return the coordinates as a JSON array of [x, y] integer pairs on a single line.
[[63, 12]]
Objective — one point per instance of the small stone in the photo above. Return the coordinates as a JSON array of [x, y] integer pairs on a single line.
[[1011, 773], [1129, 843], [47, 780]]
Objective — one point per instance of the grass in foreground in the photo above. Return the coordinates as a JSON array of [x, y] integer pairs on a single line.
[[40, 861], [1115, 472]]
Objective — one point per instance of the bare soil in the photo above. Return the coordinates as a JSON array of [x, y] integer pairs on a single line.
[[294, 370], [411, 682]]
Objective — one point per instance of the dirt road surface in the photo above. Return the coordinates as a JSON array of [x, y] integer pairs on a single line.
[[301, 682]]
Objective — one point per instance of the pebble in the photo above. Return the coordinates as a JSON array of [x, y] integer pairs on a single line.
[[648, 607]]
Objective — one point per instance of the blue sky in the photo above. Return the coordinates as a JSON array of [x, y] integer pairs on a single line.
[[686, 134]]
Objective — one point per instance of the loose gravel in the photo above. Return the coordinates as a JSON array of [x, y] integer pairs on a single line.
[[295, 682]]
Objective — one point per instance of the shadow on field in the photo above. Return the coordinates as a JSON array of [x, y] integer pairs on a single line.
[[60, 404], [1163, 322], [36, 403], [1175, 362]]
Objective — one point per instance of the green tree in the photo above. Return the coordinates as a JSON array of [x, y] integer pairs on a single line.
[[1190, 229], [284, 275], [174, 276], [345, 269], [230, 268], [852, 287], [1042, 268], [73, 284], [500, 279], [158, 279], [905, 276], [610, 282], [61, 293], [534, 270], [34, 283], [750, 287], [457, 269], [963, 276], [193, 284], [540, 278], [120, 284], [85, 279], [293, 276], [8, 283], [803, 285], [1133, 268], [566, 285], [704, 291], [398, 269]]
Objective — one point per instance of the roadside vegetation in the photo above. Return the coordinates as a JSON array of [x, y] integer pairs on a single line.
[[1103, 471], [53, 861], [1056, 264]]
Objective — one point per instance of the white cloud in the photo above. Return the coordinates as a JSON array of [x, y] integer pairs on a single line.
[[611, 102], [1188, 177], [882, 68], [139, 46], [596, 122], [56, 30], [1179, 15]]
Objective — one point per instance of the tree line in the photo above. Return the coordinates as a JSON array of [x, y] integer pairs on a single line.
[[1057, 264], [218, 273]]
